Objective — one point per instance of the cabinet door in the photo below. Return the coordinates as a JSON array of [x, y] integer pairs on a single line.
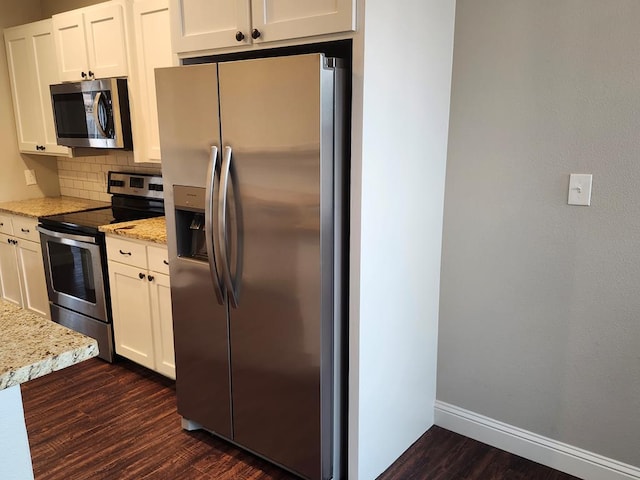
[[10, 280], [153, 50], [71, 45], [106, 40], [131, 313], [285, 19], [31, 268], [32, 68], [162, 324], [24, 88], [206, 24], [46, 69]]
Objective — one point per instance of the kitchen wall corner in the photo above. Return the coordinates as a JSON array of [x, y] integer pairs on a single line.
[[86, 177]]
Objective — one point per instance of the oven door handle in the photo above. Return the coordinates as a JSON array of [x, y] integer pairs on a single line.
[[66, 236]]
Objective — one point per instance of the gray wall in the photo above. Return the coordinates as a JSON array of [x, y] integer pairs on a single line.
[[540, 301]]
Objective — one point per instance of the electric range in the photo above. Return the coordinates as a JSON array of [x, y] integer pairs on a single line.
[[75, 260]]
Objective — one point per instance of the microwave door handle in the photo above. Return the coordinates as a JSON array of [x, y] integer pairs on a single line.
[[222, 228], [209, 222], [96, 117]]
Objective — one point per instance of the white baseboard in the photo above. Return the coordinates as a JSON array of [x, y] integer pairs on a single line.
[[558, 455]]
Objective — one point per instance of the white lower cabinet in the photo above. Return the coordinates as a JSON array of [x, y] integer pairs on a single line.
[[141, 303], [22, 278]]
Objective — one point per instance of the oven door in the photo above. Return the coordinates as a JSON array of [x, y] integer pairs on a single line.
[[73, 270]]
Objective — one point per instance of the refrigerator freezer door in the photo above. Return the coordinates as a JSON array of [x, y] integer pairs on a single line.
[[189, 127], [274, 118]]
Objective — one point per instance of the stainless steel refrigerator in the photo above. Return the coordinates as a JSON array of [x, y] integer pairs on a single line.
[[252, 160]]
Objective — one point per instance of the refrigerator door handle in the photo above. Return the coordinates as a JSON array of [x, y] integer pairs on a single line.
[[232, 287], [209, 222]]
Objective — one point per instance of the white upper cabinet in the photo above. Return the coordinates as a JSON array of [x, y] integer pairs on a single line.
[[91, 42], [285, 19], [152, 50], [32, 68], [205, 24], [198, 25]]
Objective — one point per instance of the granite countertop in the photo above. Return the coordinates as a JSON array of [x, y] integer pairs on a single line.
[[32, 346], [149, 229], [39, 207]]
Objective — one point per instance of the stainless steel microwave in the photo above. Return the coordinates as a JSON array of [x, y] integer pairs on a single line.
[[92, 113]]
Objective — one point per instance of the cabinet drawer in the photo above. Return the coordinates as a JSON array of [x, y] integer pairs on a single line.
[[158, 259], [127, 252], [25, 227], [5, 225]]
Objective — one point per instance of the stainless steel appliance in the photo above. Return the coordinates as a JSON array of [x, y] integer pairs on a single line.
[[92, 113], [252, 156], [74, 255]]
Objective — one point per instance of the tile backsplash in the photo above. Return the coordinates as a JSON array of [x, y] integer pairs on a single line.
[[86, 177]]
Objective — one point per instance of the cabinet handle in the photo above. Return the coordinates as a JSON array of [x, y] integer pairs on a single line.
[[239, 36], [124, 253], [25, 230], [83, 75], [141, 276], [150, 278], [255, 34], [9, 241], [1, 224], [91, 74], [40, 147], [163, 261]]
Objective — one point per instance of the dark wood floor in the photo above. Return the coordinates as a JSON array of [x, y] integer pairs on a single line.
[[99, 421]]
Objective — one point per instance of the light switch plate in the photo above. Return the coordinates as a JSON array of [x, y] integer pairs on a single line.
[[580, 189], [30, 177]]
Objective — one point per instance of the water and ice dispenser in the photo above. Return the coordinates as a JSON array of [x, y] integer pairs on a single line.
[[190, 234]]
